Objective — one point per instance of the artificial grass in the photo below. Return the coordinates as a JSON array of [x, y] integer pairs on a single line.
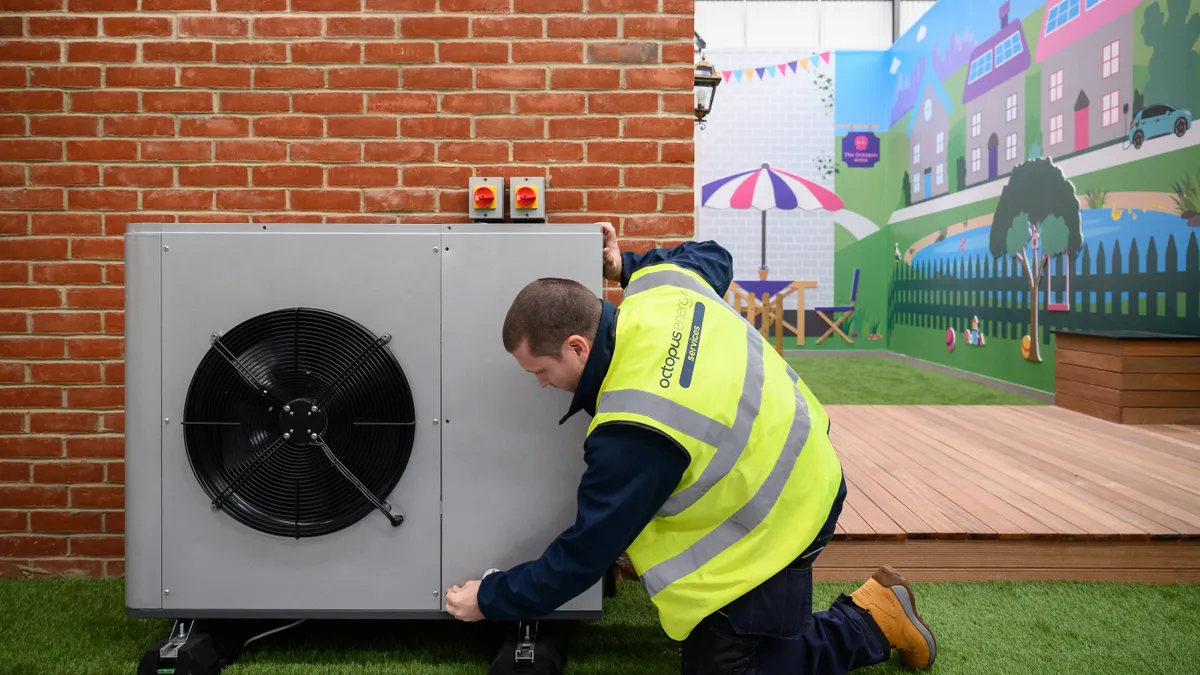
[[878, 380], [78, 627]]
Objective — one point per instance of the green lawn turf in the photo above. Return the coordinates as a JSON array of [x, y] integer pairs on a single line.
[[879, 380], [78, 627]]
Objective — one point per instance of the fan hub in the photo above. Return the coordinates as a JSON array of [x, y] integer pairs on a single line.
[[300, 419]]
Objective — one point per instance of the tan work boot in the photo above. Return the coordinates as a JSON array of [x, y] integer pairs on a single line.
[[892, 605]]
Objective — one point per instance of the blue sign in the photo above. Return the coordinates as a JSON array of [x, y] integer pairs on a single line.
[[860, 149]]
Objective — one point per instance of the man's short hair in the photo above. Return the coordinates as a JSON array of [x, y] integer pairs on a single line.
[[547, 312]]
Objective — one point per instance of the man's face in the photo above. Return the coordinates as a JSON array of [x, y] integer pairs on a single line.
[[561, 372]]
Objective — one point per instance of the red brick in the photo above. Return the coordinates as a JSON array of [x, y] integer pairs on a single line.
[[400, 52], [67, 76], [139, 176], [659, 176], [14, 223], [96, 446], [678, 53], [585, 78], [622, 201], [68, 273], [13, 125], [113, 421], [679, 7], [354, 26], [67, 521], [585, 127], [64, 174], [679, 103], [510, 127], [174, 5], [585, 176], [552, 103], [10, 26], [31, 446], [675, 126], [62, 26], [30, 397], [136, 26], [658, 26], [98, 546], [364, 78], [291, 126], [12, 521], [114, 322], [102, 199], [12, 421], [252, 200], [510, 27], [181, 200], [114, 273], [623, 103], [12, 372], [436, 176], [292, 175], [141, 125], [682, 202], [398, 200], [666, 77], [328, 103], [128, 76], [32, 249], [178, 101], [65, 373], [474, 52], [326, 151], [434, 27], [473, 151], [251, 151], [482, 103], [13, 174], [623, 52], [326, 5], [63, 422], [547, 52], [67, 223], [98, 496], [403, 102], [68, 472], [474, 5], [104, 101], [116, 474], [623, 6], [213, 26], [95, 348], [30, 348], [254, 103], [363, 176], [287, 27], [658, 226], [29, 51], [437, 77], [510, 78], [19, 297], [96, 297], [177, 52], [67, 322], [401, 5], [545, 6], [288, 78], [177, 151], [214, 126], [214, 175], [31, 150], [436, 127], [28, 545], [581, 27], [398, 151], [252, 52], [96, 397], [14, 273], [100, 150], [326, 52], [325, 200]]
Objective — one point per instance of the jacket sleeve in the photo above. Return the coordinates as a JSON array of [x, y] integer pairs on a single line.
[[707, 258], [631, 471]]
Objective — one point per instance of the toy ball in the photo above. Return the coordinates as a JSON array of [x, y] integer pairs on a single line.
[[950, 339], [1026, 347]]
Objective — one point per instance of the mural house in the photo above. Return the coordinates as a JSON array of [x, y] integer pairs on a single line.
[[994, 98], [1086, 53], [928, 132]]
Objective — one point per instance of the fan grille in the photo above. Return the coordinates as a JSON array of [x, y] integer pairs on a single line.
[[261, 463]]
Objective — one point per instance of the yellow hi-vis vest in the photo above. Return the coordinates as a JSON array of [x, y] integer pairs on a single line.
[[763, 474]]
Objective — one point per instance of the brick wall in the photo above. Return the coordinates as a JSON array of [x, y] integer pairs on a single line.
[[338, 111]]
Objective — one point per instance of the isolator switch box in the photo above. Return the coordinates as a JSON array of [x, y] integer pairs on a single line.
[[527, 196], [486, 197]]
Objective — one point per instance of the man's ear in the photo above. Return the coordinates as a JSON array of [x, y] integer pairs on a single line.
[[578, 344]]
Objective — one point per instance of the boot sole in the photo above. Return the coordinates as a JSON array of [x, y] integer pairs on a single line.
[[908, 601]]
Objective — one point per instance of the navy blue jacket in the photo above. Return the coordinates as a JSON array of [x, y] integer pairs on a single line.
[[631, 471]]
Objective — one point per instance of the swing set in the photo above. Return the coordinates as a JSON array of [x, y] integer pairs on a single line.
[[1065, 305]]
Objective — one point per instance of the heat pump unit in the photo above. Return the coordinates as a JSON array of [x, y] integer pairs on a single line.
[[322, 421]]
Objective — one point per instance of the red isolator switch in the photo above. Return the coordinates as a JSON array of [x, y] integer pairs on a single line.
[[485, 197], [526, 197]]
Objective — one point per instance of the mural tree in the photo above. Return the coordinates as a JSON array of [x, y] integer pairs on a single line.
[[1037, 218], [1174, 64]]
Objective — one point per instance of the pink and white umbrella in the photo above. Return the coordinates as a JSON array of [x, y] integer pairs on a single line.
[[767, 188]]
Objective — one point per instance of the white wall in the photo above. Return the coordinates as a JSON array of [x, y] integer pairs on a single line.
[[824, 25]]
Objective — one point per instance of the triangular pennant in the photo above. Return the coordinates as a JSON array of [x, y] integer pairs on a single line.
[[726, 73], [738, 75], [793, 65], [760, 72], [782, 69], [749, 73], [804, 63], [825, 56]]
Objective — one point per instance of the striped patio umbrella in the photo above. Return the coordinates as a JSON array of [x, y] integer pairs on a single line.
[[767, 188]]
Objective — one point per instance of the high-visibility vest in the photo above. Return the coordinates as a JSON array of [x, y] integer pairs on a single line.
[[762, 474]]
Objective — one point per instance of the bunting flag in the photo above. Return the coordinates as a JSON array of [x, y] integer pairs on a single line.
[[775, 70]]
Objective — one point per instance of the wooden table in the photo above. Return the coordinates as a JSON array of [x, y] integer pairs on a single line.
[[1128, 376], [769, 305]]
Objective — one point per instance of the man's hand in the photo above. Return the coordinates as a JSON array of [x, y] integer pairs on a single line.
[[462, 602], [612, 253]]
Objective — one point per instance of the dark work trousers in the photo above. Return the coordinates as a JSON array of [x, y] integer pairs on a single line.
[[773, 630]]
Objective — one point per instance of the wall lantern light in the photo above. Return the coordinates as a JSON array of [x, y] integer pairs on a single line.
[[705, 86]]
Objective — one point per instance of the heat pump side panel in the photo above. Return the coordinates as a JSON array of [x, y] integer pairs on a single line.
[[510, 471], [387, 281], [143, 421]]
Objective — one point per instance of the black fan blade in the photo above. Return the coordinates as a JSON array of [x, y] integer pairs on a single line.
[[395, 519]]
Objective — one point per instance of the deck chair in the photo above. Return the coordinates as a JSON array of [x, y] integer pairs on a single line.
[[846, 311]]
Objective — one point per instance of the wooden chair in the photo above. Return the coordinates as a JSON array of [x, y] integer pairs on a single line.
[[846, 311]]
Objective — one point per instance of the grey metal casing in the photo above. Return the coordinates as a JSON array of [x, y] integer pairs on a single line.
[[490, 485]]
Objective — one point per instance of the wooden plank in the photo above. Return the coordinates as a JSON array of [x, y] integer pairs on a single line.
[[854, 525], [1160, 399], [1087, 343], [955, 481], [1188, 450], [1161, 347], [1160, 415], [1161, 364], [1088, 407], [1161, 381], [1071, 357], [1088, 392], [866, 478], [912, 484], [1101, 378]]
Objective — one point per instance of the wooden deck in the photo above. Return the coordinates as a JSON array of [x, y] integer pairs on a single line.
[[947, 493]]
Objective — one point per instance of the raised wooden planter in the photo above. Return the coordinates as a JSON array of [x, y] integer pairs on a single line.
[[1129, 377]]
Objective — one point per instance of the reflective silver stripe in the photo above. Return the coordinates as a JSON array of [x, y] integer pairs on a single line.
[[663, 409], [670, 277], [746, 519]]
